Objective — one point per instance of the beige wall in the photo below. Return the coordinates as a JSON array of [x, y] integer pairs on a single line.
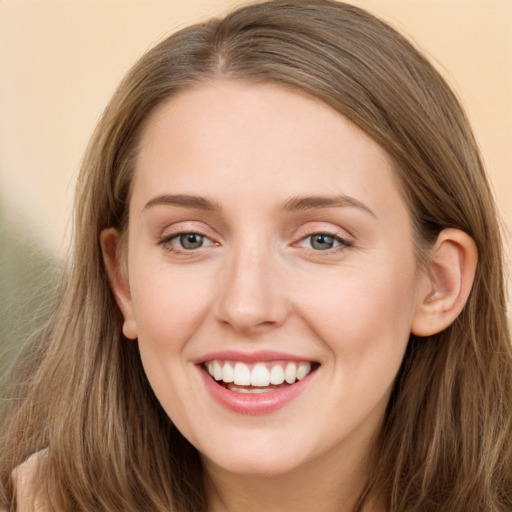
[[60, 62]]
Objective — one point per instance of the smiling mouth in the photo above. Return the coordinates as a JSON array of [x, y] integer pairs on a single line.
[[260, 377]]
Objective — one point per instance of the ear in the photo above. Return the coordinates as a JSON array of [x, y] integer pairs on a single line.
[[114, 260], [447, 282]]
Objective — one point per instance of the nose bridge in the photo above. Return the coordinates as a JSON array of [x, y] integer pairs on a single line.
[[251, 297]]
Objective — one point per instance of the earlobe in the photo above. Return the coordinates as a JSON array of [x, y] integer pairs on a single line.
[[110, 240], [447, 282]]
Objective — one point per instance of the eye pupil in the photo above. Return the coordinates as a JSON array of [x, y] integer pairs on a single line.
[[322, 242], [191, 240]]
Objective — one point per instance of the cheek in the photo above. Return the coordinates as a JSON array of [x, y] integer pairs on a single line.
[[363, 314], [169, 305], [365, 323], [169, 309]]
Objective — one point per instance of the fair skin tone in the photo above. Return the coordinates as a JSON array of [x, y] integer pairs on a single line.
[[265, 229]]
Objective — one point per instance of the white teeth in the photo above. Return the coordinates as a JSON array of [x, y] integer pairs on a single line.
[[217, 370], [249, 391], [228, 374], [276, 375], [262, 375], [290, 373], [242, 375], [303, 370]]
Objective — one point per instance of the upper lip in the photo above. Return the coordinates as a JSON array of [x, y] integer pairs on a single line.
[[251, 357]]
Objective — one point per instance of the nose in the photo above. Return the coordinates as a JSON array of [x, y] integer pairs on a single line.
[[252, 298]]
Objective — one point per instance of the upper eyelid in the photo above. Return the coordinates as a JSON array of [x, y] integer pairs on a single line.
[[334, 231], [182, 227]]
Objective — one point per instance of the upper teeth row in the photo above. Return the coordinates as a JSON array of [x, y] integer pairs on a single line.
[[239, 373]]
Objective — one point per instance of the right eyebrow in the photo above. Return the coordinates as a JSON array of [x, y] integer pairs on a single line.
[[185, 200]]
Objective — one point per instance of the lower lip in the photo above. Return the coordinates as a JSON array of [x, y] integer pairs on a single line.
[[254, 403]]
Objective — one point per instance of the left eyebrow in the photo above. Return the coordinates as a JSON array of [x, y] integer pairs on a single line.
[[314, 202]]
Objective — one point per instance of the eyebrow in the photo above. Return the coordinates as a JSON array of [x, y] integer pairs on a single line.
[[293, 204], [185, 200], [314, 202]]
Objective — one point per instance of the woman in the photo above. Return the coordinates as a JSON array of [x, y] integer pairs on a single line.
[[286, 289]]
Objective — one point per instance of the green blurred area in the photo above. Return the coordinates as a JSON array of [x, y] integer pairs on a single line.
[[28, 277]]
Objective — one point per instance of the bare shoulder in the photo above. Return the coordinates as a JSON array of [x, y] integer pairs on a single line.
[[24, 479]]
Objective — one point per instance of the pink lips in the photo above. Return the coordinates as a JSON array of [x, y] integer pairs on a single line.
[[248, 403], [249, 358]]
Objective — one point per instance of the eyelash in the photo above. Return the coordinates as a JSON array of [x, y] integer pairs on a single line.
[[343, 242], [166, 242]]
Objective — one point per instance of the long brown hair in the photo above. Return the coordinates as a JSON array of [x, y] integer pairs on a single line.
[[80, 393]]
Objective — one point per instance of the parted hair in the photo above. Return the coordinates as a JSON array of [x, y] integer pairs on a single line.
[[79, 395]]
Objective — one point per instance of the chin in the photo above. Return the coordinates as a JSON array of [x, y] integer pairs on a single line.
[[255, 462]]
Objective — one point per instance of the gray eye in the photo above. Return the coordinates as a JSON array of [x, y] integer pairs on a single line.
[[191, 240], [322, 242]]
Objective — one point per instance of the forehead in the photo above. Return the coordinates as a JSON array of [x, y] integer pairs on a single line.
[[254, 138]]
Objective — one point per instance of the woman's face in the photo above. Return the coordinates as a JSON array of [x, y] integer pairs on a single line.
[[268, 245]]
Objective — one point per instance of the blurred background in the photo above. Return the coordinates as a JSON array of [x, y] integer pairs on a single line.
[[60, 62]]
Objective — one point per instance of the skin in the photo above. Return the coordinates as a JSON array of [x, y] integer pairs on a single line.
[[258, 284]]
